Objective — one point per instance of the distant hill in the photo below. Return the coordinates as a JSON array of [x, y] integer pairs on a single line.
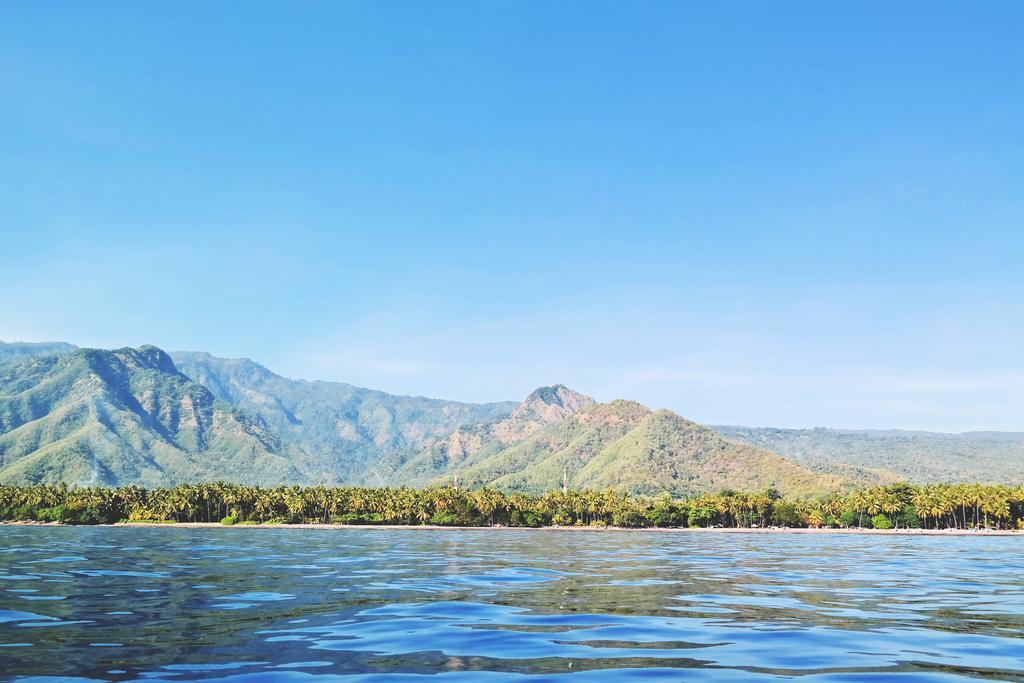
[[336, 433], [15, 351], [626, 446], [918, 457], [126, 416]]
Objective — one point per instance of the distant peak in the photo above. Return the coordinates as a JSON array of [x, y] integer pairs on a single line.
[[558, 395], [187, 360], [158, 357], [147, 356], [551, 404]]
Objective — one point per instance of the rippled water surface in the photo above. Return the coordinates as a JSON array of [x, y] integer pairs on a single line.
[[301, 605]]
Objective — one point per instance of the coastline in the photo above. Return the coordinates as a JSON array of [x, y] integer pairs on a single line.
[[431, 527]]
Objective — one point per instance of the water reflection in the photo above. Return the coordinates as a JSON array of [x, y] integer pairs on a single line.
[[318, 606]]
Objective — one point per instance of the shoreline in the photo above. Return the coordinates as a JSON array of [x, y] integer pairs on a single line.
[[431, 527]]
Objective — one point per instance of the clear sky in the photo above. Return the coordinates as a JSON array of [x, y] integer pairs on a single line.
[[766, 213]]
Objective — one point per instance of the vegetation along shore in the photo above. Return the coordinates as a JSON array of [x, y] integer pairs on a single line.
[[896, 506]]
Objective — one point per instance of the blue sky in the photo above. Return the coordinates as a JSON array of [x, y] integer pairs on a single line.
[[789, 214]]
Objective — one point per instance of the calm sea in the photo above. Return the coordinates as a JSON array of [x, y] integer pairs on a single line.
[[245, 605]]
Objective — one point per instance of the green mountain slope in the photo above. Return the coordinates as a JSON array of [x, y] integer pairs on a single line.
[[335, 433], [141, 416], [15, 351], [626, 446], [917, 457], [124, 416], [467, 445]]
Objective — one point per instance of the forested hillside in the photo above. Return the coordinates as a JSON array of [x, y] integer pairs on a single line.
[[335, 432], [625, 446], [922, 457], [124, 416]]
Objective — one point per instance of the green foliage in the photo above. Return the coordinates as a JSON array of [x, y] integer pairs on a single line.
[[535, 519], [562, 518], [702, 516], [933, 506], [74, 513], [629, 518], [909, 519], [787, 515], [444, 519], [360, 518], [17, 513], [881, 522], [54, 514], [527, 518], [666, 513]]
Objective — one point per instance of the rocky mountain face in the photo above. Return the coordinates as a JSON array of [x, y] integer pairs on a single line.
[[335, 433], [125, 416], [463, 447]]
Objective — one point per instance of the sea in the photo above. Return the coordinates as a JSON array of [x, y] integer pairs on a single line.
[[241, 605]]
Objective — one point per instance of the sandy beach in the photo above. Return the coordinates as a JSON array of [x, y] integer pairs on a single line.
[[429, 527]]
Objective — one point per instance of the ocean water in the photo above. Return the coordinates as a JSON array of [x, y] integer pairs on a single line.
[[316, 606]]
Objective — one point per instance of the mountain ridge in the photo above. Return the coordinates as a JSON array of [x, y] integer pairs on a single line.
[[915, 456], [125, 415], [13, 351], [335, 433]]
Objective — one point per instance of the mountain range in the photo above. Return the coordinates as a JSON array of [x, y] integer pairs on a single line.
[[143, 416]]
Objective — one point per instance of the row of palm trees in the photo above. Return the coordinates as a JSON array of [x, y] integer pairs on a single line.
[[933, 506]]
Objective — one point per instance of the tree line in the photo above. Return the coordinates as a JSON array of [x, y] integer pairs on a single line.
[[930, 506]]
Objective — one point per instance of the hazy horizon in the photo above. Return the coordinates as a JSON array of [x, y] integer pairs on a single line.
[[772, 215]]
